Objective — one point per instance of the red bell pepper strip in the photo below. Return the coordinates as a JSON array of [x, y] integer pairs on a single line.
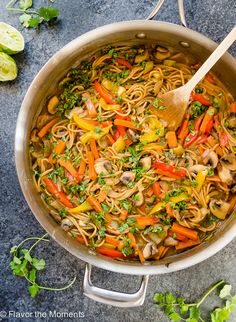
[[52, 188], [110, 252], [156, 189], [167, 174], [203, 139], [200, 98], [192, 137], [169, 169], [103, 92], [116, 135], [224, 139], [124, 62]]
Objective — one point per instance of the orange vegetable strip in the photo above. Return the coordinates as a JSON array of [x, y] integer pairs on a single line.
[[232, 204], [213, 178], [150, 192], [208, 117], [161, 252], [80, 239], [167, 174], [94, 149], [58, 149], [171, 139], [177, 236], [102, 196], [146, 220], [169, 210], [44, 130], [60, 195], [132, 238], [186, 244], [233, 107], [109, 138], [92, 174], [156, 189], [140, 255], [112, 240], [81, 171], [104, 93], [109, 252], [94, 203], [125, 123], [143, 207], [69, 167], [191, 234], [123, 215], [183, 128]]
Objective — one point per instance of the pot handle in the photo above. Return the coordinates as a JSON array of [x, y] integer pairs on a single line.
[[159, 5], [112, 297]]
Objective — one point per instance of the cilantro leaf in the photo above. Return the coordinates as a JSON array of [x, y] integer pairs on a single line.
[[34, 22], [33, 290], [25, 4], [48, 13], [39, 264], [225, 291], [32, 275], [24, 19]]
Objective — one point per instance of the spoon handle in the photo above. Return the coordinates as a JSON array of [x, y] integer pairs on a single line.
[[212, 59]]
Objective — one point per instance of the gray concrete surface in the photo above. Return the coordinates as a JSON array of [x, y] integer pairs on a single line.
[[214, 18]]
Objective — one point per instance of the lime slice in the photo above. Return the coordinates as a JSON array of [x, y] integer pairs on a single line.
[[8, 69], [11, 40]]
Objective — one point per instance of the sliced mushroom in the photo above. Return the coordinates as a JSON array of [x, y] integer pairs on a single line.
[[66, 224], [42, 120], [228, 161], [162, 53], [127, 177], [219, 208], [132, 135], [150, 250], [197, 167], [52, 104], [210, 157], [146, 163], [225, 175], [170, 241], [158, 237], [34, 137], [139, 199], [102, 166]]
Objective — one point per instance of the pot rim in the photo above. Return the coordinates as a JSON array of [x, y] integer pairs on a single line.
[[59, 236]]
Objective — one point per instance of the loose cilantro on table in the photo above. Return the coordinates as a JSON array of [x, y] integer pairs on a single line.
[[24, 264], [32, 18], [176, 308]]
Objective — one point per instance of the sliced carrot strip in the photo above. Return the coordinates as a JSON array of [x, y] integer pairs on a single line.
[[47, 127], [94, 203], [94, 149], [92, 174], [186, 244], [191, 234]]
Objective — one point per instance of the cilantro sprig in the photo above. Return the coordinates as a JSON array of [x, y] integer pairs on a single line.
[[25, 265], [32, 18], [176, 308]]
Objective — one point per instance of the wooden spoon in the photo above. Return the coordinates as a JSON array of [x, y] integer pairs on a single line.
[[174, 103]]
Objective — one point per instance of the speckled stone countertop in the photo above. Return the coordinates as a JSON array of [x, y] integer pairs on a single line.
[[213, 19]]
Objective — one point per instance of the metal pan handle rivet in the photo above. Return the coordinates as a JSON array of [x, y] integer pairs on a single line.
[[184, 44], [141, 35], [112, 297]]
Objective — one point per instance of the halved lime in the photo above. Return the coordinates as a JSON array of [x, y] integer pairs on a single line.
[[8, 68], [11, 40]]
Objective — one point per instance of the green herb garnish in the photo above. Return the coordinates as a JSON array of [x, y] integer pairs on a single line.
[[24, 264]]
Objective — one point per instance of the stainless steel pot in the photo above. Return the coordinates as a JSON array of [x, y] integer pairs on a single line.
[[130, 32]]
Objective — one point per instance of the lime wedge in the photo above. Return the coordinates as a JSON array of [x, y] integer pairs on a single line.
[[11, 40], [8, 69]]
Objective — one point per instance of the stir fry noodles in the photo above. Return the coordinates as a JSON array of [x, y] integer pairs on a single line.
[[114, 176]]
